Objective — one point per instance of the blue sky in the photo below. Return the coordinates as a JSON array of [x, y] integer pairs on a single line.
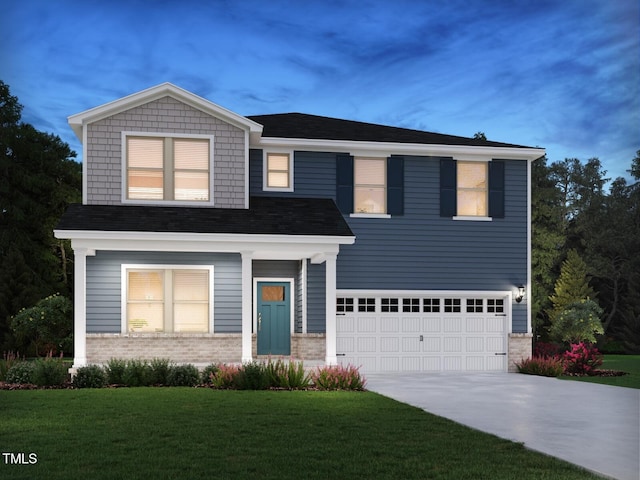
[[558, 74]]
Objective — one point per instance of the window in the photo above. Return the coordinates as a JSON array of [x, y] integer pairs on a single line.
[[495, 305], [344, 305], [168, 299], [389, 305], [278, 171], [168, 168], [474, 305], [472, 194], [410, 304], [452, 305], [431, 305], [370, 190], [366, 304]]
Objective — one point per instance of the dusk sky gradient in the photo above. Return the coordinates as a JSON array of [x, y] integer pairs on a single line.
[[559, 74]]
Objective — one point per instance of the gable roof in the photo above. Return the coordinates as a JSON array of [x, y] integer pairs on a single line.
[[301, 125], [78, 120], [265, 216]]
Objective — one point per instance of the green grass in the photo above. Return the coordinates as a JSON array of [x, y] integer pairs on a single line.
[[624, 363], [177, 433]]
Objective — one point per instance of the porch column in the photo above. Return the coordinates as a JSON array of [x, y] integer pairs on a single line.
[[330, 308], [80, 306], [247, 314]]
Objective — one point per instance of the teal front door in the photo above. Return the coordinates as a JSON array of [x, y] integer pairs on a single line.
[[274, 318]]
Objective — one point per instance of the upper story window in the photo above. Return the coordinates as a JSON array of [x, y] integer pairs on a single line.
[[472, 193], [472, 190], [370, 185], [165, 168], [278, 171]]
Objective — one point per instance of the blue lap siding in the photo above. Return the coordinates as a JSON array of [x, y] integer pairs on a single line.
[[419, 250]]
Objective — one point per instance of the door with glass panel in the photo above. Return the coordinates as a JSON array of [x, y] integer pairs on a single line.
[[274, 318]]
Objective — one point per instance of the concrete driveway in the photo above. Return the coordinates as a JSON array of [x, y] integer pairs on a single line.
[[594, 426]]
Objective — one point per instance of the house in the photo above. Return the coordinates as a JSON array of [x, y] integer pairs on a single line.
[[207, 236]]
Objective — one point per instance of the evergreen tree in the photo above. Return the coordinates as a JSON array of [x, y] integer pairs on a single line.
[[572, 285]]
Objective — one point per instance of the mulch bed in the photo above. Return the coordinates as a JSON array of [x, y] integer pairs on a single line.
[[599, 373]]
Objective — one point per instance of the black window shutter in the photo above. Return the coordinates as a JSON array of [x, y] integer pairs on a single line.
[[344, 182], [395, 185], [448, 196], [496, 189]]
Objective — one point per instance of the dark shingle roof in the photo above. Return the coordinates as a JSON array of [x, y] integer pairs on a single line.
[[266, 216], [302, 125]]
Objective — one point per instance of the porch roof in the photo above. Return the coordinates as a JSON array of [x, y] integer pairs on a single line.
[[265, 216]]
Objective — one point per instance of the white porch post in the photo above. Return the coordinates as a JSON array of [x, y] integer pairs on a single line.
[[330, 309], [247, 314], [80, 306]]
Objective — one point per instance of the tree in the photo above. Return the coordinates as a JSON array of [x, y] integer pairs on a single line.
[[578, 322], [39, 179], [572, 285]]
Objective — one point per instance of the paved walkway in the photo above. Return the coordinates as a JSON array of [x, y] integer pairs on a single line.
[[594, 426]]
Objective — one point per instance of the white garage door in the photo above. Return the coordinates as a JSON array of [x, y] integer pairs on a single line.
[[426, 332]]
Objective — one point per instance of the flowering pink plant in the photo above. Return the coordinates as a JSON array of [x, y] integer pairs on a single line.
[[582, 359]]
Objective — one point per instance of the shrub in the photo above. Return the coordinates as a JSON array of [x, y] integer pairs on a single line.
[[90, 376], [291, 375], [225, 376], [578, 322], [159, 369], [207, 373], [546, 350], [183, 376], [115, 371], [252, 376], [8, 360], [48, 325], [20, 372], [49, 371], [582, 359], [338, 377], [544, 366], [137, 373]]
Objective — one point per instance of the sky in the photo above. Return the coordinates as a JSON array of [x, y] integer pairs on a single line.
[[563, 75]]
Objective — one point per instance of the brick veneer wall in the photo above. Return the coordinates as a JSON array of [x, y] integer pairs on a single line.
[[200, 349], [520, 347]]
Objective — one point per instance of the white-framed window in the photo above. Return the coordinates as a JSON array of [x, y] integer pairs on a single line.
[[370, 185], [167, 298], [167, 168], [472, 189], [278, 171]]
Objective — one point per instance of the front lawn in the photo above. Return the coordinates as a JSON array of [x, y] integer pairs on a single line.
[[177, 433], [624, 363]]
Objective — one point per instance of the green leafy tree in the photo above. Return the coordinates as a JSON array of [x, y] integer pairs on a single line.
[[578, 322], [48, 325], [39, 179]]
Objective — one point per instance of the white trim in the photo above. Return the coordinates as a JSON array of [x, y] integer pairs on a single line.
[[526, 300], [247, 310], [387, 149], [292, 296], [124, 287], [286, 151], [434, 293], [472, 218], [369, 215], [123, 169], [80, 120], [303, 293], [330, 281]]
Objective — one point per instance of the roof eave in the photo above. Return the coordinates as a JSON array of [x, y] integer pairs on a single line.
[[395, 148], [79, 120]]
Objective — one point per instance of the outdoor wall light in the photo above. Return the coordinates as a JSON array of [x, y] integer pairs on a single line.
[[520, 294]]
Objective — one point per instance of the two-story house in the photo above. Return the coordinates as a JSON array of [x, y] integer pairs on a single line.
[[206, 236]]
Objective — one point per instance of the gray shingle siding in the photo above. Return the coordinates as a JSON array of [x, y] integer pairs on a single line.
[[420, 250], [166, 115], [104, 286]]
